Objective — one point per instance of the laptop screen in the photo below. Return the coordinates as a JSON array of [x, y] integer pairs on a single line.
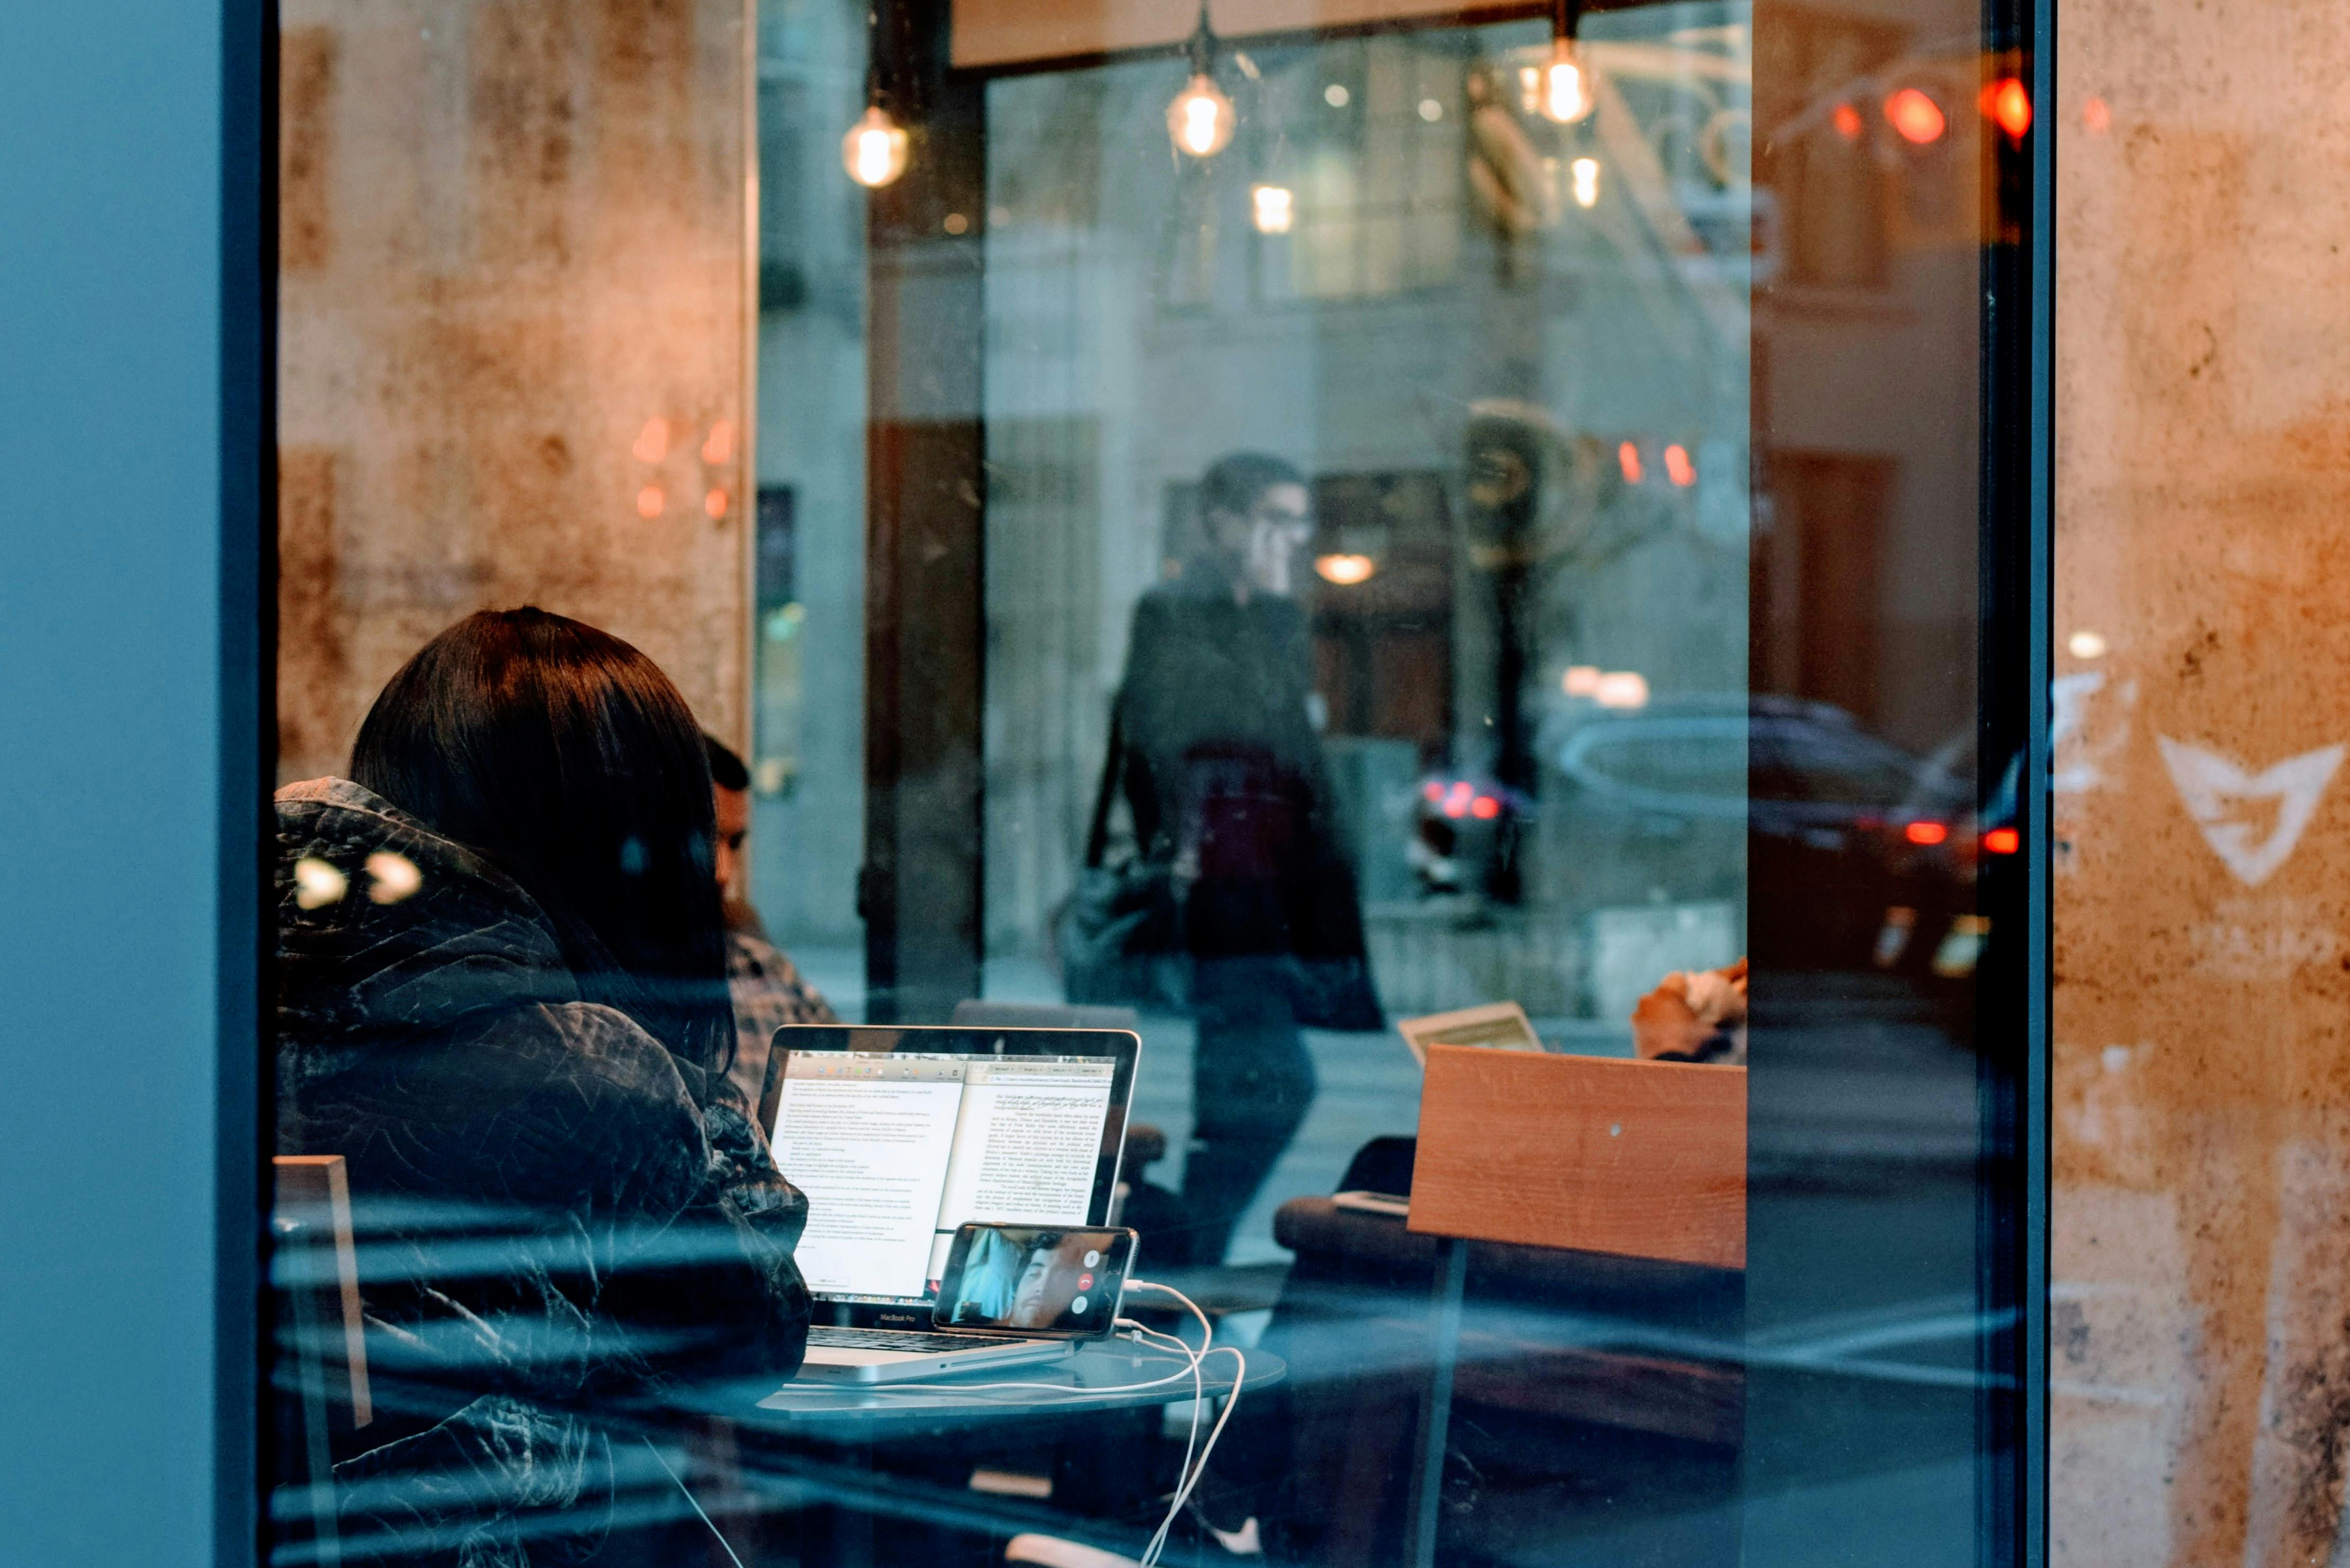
[[896, 1150]]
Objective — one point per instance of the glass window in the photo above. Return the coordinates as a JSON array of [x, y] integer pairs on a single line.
[[1331, 685]]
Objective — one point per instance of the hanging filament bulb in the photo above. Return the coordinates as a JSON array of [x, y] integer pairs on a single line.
[[1585, 174], [1567, 85], [1565, 80], [1201, 119], [874, 151]]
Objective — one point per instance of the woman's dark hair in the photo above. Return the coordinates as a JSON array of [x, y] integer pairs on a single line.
[[1235, 483], [569, 760]]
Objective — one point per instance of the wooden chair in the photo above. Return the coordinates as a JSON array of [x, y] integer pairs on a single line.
[[1622, 1159], [319, 1375]]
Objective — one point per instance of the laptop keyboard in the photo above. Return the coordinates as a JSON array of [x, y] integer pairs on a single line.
[[893, 1339]]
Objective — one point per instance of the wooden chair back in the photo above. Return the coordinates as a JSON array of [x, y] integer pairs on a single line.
[[319, 1375], [1641, 1159]]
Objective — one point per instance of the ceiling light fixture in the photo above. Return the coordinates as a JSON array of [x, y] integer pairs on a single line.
[[1201, 119], [875, 149], [1566, 79]]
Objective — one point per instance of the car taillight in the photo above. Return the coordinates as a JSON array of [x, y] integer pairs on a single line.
[[1928, 833], [2002, 841]]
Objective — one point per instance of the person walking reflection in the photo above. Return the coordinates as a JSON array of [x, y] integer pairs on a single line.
[[1224, 775]]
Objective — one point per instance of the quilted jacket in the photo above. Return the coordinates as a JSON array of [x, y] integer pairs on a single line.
[[562, 1228]]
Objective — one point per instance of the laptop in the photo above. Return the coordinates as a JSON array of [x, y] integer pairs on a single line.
[[898, 1136], [1498, 1025]]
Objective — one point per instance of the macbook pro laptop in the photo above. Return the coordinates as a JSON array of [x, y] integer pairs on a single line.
[[899, 1136]]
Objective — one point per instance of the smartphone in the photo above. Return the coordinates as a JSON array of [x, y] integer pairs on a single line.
[[1064, 1280]]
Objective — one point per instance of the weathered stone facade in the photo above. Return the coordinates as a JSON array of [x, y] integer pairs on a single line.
[[514, 338], [2201, 1357]]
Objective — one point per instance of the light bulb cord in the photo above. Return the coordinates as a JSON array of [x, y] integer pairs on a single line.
[[1201, 49], [1566, 20]]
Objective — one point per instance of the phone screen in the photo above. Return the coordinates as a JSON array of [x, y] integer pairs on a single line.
[[1038, 1279]]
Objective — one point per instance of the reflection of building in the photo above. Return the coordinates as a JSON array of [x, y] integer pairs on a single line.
[[1432, 273], [1140, 321]]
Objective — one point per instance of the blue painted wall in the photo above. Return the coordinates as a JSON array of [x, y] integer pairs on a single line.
[[111, 781]]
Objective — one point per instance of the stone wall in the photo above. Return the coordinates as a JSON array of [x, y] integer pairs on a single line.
[[2201, 1324], [514, 328]]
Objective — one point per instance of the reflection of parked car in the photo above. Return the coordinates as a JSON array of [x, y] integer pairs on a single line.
[[1821, 811], [1465, 836]]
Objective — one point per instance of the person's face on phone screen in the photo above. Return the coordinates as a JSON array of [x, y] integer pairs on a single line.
[[1049, 1285]]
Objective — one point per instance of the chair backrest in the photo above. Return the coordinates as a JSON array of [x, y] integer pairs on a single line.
[[1641, 1159], [315, 1268], [319, 1377]]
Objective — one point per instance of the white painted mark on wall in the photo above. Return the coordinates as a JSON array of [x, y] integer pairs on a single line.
[[2217, 791]]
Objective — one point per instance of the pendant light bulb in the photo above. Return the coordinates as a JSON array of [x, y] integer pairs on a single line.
[[1201, 119], [1566, 84], [874, 151]]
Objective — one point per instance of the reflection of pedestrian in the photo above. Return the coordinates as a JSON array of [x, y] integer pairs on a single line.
[[1226, 780]]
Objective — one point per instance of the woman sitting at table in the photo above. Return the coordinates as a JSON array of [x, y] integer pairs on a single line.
[[502, 999]]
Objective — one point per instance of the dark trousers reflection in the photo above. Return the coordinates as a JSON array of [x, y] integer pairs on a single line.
[[1251, 1084]]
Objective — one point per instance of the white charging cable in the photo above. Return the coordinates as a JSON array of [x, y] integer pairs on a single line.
[[696, 1502], [1188, 1476]]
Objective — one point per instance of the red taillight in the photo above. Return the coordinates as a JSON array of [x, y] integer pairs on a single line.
[[1926, 833], [2007, 103], [1433, 791], [1486, 808], [2002, 841], [1918, 118]]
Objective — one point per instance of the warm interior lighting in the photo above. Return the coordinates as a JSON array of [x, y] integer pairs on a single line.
[[874, 151], [714, 505], [1336, 96], [1678, 466], [1583, 175], [1272, 207], [1484, 808], [2085, 645], [2096, 116], [1926, 833], [1848, 123], [1201, 119], [1345, 569], [1622, 688], [1530, 83], [721, 444], [1917, 119], [1581, 679], [2009, 106], [1627, 458], [1566, 84], [653, 442], [650, 501], [2002, 841]]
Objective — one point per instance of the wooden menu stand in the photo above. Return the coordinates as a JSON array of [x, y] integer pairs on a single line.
[[1637, 1159]]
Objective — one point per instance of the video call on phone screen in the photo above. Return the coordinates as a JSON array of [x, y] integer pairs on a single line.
[[1042, 1279]]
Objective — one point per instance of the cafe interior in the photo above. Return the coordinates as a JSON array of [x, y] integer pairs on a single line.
[[1350, 655]]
